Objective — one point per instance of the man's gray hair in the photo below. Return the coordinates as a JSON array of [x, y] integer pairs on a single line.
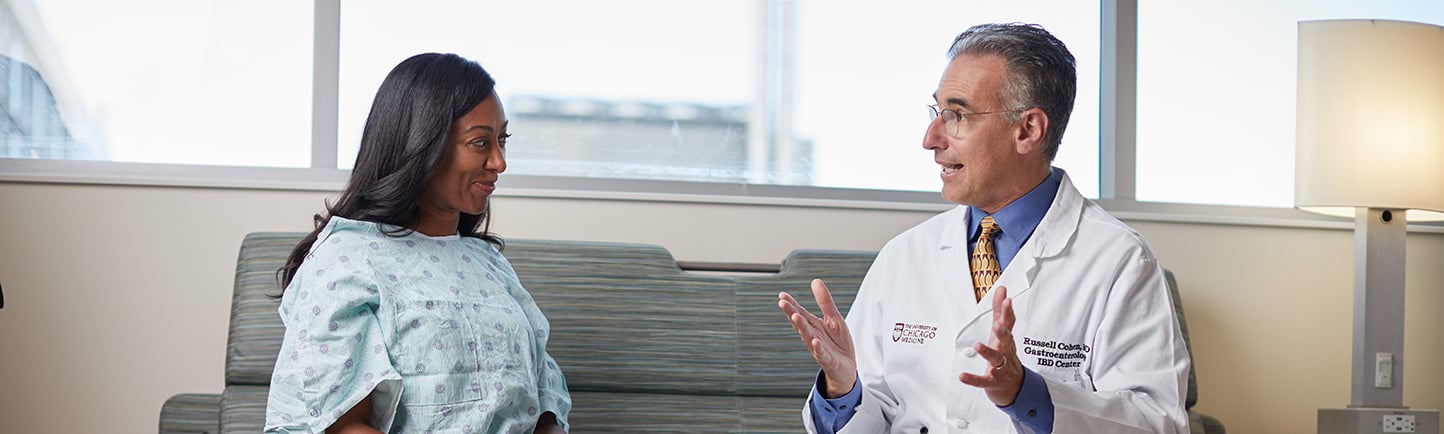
[[1041, 72]]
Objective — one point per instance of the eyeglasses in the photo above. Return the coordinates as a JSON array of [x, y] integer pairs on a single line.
[[951, 117]]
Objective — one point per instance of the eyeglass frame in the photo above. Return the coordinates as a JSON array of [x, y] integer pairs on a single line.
[[936, 112]]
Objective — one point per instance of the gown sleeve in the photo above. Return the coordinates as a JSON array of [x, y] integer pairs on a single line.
[[334, 352], [551, 384]]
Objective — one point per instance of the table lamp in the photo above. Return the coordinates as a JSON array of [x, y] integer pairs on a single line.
[[1370, 145]]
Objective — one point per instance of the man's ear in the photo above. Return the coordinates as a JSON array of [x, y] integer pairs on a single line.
[[1029, 131]]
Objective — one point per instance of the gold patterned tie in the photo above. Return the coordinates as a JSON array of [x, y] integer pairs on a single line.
[[984, 261]]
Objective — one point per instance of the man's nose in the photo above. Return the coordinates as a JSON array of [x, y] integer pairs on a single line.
[[933, 137]]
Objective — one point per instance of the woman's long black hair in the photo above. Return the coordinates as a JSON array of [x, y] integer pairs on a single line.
[[401, 146]]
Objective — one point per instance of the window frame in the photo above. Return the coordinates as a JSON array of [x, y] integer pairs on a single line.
[[1117, 157]]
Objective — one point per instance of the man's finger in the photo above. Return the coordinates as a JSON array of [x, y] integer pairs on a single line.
[[1002, 332], [994, 356], [1003, 317], [978, 381], [788, 304], [824, 299], [821, 352], [1009, 317], [805, 327], [1000, 293]]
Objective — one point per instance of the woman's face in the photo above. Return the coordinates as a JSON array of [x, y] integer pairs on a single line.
[[466, 176]]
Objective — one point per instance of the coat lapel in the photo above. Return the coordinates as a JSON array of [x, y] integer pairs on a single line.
[[1054, 232]]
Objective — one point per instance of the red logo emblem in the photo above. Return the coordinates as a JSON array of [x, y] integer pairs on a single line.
[[913, 333]]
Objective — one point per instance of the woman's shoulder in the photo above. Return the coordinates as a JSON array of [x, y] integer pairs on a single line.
[[364, 247], [485, 250], [342, 236]]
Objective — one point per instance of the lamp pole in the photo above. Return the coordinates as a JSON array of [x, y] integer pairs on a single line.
[[1378, 354]]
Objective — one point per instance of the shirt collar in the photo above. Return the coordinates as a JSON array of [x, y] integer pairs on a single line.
[[1021, 217]]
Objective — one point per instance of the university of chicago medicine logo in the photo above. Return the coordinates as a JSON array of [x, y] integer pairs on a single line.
[[913, 333]]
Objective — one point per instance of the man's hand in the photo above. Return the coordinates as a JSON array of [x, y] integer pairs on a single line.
[[826, 337], [1005, 378]]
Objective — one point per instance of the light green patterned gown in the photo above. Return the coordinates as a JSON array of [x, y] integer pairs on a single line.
[[436, 329]]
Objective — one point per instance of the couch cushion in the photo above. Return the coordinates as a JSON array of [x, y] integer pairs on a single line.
[[243, 409], [191, 413], [256, 330], [625, 318], [595, 412]]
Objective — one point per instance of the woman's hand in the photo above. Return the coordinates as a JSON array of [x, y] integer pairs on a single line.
[[355, 421], [547, 424]]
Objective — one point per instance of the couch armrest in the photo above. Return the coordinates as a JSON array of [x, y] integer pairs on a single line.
[[191, 413]]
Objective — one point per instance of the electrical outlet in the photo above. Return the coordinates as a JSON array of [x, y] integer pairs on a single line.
[[1399, 423], [1383, 370]]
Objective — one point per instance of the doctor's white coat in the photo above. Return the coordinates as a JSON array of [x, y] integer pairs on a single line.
[[1093, 318]]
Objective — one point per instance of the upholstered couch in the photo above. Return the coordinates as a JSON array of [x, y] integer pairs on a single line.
[[645, 345]]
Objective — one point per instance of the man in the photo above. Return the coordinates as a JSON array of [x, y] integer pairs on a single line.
[[1028, 308]]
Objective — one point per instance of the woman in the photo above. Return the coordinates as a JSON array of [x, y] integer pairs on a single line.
[[401, 313]]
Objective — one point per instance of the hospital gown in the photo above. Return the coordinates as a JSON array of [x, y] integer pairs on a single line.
[[436, 329]]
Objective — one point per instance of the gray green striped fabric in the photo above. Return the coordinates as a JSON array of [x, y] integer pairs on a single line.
[[671, 413], [696, 353], [191, 413], [625, 319], [243, 409], [255, 334]]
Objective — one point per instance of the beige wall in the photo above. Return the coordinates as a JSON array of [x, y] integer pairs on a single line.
[[117, 297]]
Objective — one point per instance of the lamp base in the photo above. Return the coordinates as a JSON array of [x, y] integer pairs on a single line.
[[1372, 420]]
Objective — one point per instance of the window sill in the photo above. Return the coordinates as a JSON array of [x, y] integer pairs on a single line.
[[629, 190]]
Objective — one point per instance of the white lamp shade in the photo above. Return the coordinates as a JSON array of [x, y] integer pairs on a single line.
[[1370, 117]]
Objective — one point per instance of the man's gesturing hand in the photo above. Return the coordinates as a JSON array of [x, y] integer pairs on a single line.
[[827, 338], [1004, 379]]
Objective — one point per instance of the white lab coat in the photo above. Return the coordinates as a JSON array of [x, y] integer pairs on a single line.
[[1087, 291]]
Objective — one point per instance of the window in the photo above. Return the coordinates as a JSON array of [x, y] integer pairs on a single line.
[[771, 92], [157, 81], [864, 74], [591, 89], [1216, 95]]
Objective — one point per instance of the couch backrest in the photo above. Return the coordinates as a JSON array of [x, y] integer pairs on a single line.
[[256, 330], [1192, 397], [625, 318]]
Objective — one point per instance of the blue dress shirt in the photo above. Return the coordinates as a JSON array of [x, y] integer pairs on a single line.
[[1017, 220]]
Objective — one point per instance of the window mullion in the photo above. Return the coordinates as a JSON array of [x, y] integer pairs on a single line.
[[1118, 100], [325, 94]]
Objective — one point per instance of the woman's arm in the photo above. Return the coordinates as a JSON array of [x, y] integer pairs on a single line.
[[547, 424], [356, 420]]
